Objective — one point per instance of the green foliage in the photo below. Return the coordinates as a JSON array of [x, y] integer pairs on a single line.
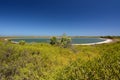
[[22, 42], [42, 61], [53, 41], [111, 37], [64, 41]]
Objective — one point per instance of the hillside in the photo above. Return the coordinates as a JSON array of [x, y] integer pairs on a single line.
[[40, 61]]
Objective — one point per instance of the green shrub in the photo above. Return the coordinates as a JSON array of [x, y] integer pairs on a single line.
[[53, 40], [64, 41], [22, 42]]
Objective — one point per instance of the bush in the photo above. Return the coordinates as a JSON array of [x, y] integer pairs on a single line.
[[53, 40], [22, 42], [64, 41]]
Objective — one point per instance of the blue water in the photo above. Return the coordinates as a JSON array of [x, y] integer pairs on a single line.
[[74, 40]]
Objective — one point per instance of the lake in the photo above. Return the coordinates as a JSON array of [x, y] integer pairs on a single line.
[[74, 40]]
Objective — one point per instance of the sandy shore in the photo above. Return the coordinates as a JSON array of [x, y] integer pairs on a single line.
[[106, 41]]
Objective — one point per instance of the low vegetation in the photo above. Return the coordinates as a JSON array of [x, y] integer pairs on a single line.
[[42, 61], [111, 37]]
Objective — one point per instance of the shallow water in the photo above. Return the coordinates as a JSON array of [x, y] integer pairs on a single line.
[[74, 40]]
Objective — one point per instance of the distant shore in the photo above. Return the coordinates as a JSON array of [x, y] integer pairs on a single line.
[[106, 41]]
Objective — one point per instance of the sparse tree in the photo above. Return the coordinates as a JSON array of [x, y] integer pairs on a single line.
[[22, 42], [64, 41], [53, 40]]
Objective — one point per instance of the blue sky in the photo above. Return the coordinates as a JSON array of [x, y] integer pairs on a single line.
[[55, 17]]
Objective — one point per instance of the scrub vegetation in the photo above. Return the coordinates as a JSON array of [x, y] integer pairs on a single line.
[[64, 41], [43, 61]]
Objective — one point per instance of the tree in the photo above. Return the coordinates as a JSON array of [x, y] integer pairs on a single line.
[[22, 42], [53, 40], [64, 41]]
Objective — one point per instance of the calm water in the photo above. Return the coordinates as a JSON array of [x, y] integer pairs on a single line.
[[74, 40]]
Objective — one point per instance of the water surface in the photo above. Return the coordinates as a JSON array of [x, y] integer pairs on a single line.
[[74, 40]]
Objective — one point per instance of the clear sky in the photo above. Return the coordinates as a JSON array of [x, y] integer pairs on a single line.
[[55, 17]]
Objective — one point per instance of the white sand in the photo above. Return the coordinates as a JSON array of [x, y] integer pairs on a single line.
[[106, 41]]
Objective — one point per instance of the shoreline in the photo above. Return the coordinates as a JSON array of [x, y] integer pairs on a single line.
[[106, 41], [102, 42]]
